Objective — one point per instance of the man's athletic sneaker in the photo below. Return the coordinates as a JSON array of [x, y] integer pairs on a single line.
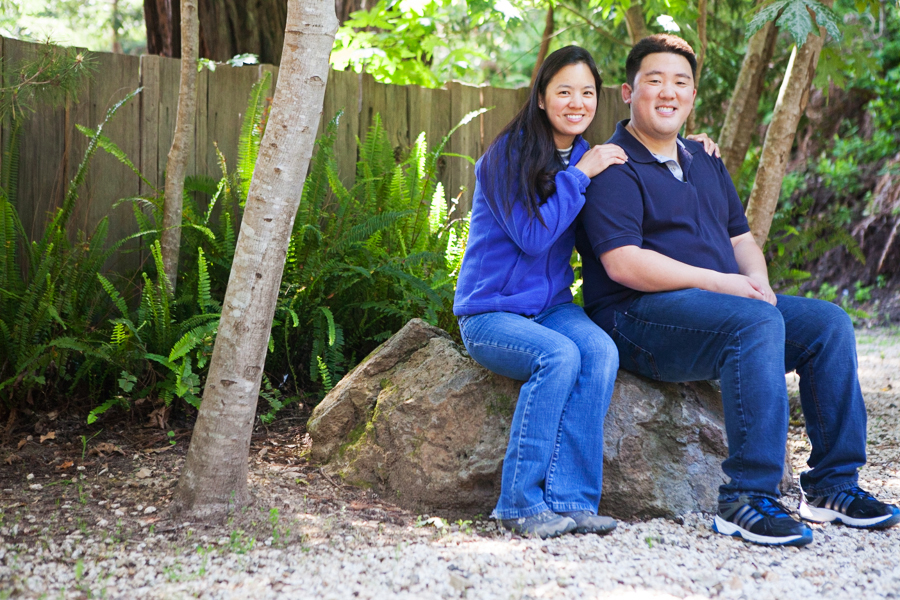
[[854, 507], [761, 520]]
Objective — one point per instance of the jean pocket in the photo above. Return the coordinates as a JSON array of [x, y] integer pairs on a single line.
[[634, 358]]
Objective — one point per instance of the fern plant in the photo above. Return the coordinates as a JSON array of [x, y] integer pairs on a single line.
[[156, 352], [362, 261], [49, 297], [791, 246]]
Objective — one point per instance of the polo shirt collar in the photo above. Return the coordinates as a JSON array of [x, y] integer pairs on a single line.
[[638, 152]]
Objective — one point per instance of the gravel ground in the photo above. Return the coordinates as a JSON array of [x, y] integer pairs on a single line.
[[309, 537]]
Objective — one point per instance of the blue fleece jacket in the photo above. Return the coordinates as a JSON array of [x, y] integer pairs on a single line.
[[514, 263]]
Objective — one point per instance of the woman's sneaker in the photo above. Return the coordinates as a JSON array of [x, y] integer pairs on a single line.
[[854, 507], [760, 520], [544, 525]]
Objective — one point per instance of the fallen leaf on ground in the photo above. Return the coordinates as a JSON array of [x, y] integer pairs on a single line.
[[158, 450], [12, 458], [49, 436], [21, 443], [144, 473], [65, 465], [105, 447]]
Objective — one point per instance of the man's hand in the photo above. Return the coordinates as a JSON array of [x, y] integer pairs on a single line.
[[710, 146], [739, 285], [766, 289], [598, 158]]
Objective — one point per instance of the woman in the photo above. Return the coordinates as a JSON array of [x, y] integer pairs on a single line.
[[515, 309]]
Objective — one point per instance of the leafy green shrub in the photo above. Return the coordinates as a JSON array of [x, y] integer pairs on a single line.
[[49, 303], [362, 261]]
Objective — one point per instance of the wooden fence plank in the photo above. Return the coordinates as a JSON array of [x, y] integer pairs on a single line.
[[108, 180], [42, 144], [389, 101], [149, 130], [466, 141], [610, 110], [429, 112], [228, 98], [342, 94], [506, 104]]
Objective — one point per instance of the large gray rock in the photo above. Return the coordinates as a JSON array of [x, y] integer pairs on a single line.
[[421, 422]]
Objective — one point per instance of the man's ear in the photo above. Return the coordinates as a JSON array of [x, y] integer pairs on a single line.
[[627, 91]]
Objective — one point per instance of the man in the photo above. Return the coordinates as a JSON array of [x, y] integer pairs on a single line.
[[672, 272]]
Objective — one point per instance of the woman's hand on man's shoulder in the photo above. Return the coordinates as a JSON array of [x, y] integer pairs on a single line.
[[709, 146], [599, 157]]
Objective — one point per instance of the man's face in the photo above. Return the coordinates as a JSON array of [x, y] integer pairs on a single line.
[[662, 97]]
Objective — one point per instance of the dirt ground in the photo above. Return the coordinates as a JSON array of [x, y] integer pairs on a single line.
[[62, 479]]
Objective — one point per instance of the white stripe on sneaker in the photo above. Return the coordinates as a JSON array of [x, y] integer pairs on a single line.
[[826, 515]]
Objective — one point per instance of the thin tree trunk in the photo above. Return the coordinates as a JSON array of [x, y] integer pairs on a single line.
[[740, 120], [776, 150], [545, 44], [214, 478], [115, 21], [701, 33], [182, 142], [635, 23]]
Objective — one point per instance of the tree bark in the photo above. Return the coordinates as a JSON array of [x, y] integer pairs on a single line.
[[182, 142], [227, 28], [232, 27], [776, 150], [635, 23], [214, 478], [740, 120], [701, 56], [545, 44], [163, 21]]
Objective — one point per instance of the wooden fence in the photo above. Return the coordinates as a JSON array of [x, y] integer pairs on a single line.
[[51, 148]]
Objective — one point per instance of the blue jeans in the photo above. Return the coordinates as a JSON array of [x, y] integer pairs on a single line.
[[749, 345], [554, 459]]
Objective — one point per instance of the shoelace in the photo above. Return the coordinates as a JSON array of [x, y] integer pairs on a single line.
[[769, 508], [861, 494]]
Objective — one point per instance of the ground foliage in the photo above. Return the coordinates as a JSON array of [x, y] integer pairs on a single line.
[[362, 261]]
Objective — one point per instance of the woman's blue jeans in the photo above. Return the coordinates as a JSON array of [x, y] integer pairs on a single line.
[[749, 345], [554, 459]]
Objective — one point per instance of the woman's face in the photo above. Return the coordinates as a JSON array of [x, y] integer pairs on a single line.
[[570, 102]]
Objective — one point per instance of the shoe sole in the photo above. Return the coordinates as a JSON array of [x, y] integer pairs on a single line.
[[597, 530], [825, 515], [724, 527], [543, 534]]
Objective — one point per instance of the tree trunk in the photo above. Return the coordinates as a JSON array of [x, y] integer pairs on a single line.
[[214, 478], [163, 21], [231, 27], [343, 8], [740, 120], [227, 28], [634, 21], [701, 55], [182, 143], [545, 44], [776, 150]]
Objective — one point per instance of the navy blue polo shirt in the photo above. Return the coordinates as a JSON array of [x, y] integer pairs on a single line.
[[641, 203]]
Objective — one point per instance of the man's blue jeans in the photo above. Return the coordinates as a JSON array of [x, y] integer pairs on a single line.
[[555, 454], [749, 345]]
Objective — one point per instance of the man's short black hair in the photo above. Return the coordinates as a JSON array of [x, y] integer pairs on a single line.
[[654, 44]]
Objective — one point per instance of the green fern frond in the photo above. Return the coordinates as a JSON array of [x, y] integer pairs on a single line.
[[252, 130], [107, 144]]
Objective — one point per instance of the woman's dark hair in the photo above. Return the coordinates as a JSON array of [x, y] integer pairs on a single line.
[[523, 166]]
